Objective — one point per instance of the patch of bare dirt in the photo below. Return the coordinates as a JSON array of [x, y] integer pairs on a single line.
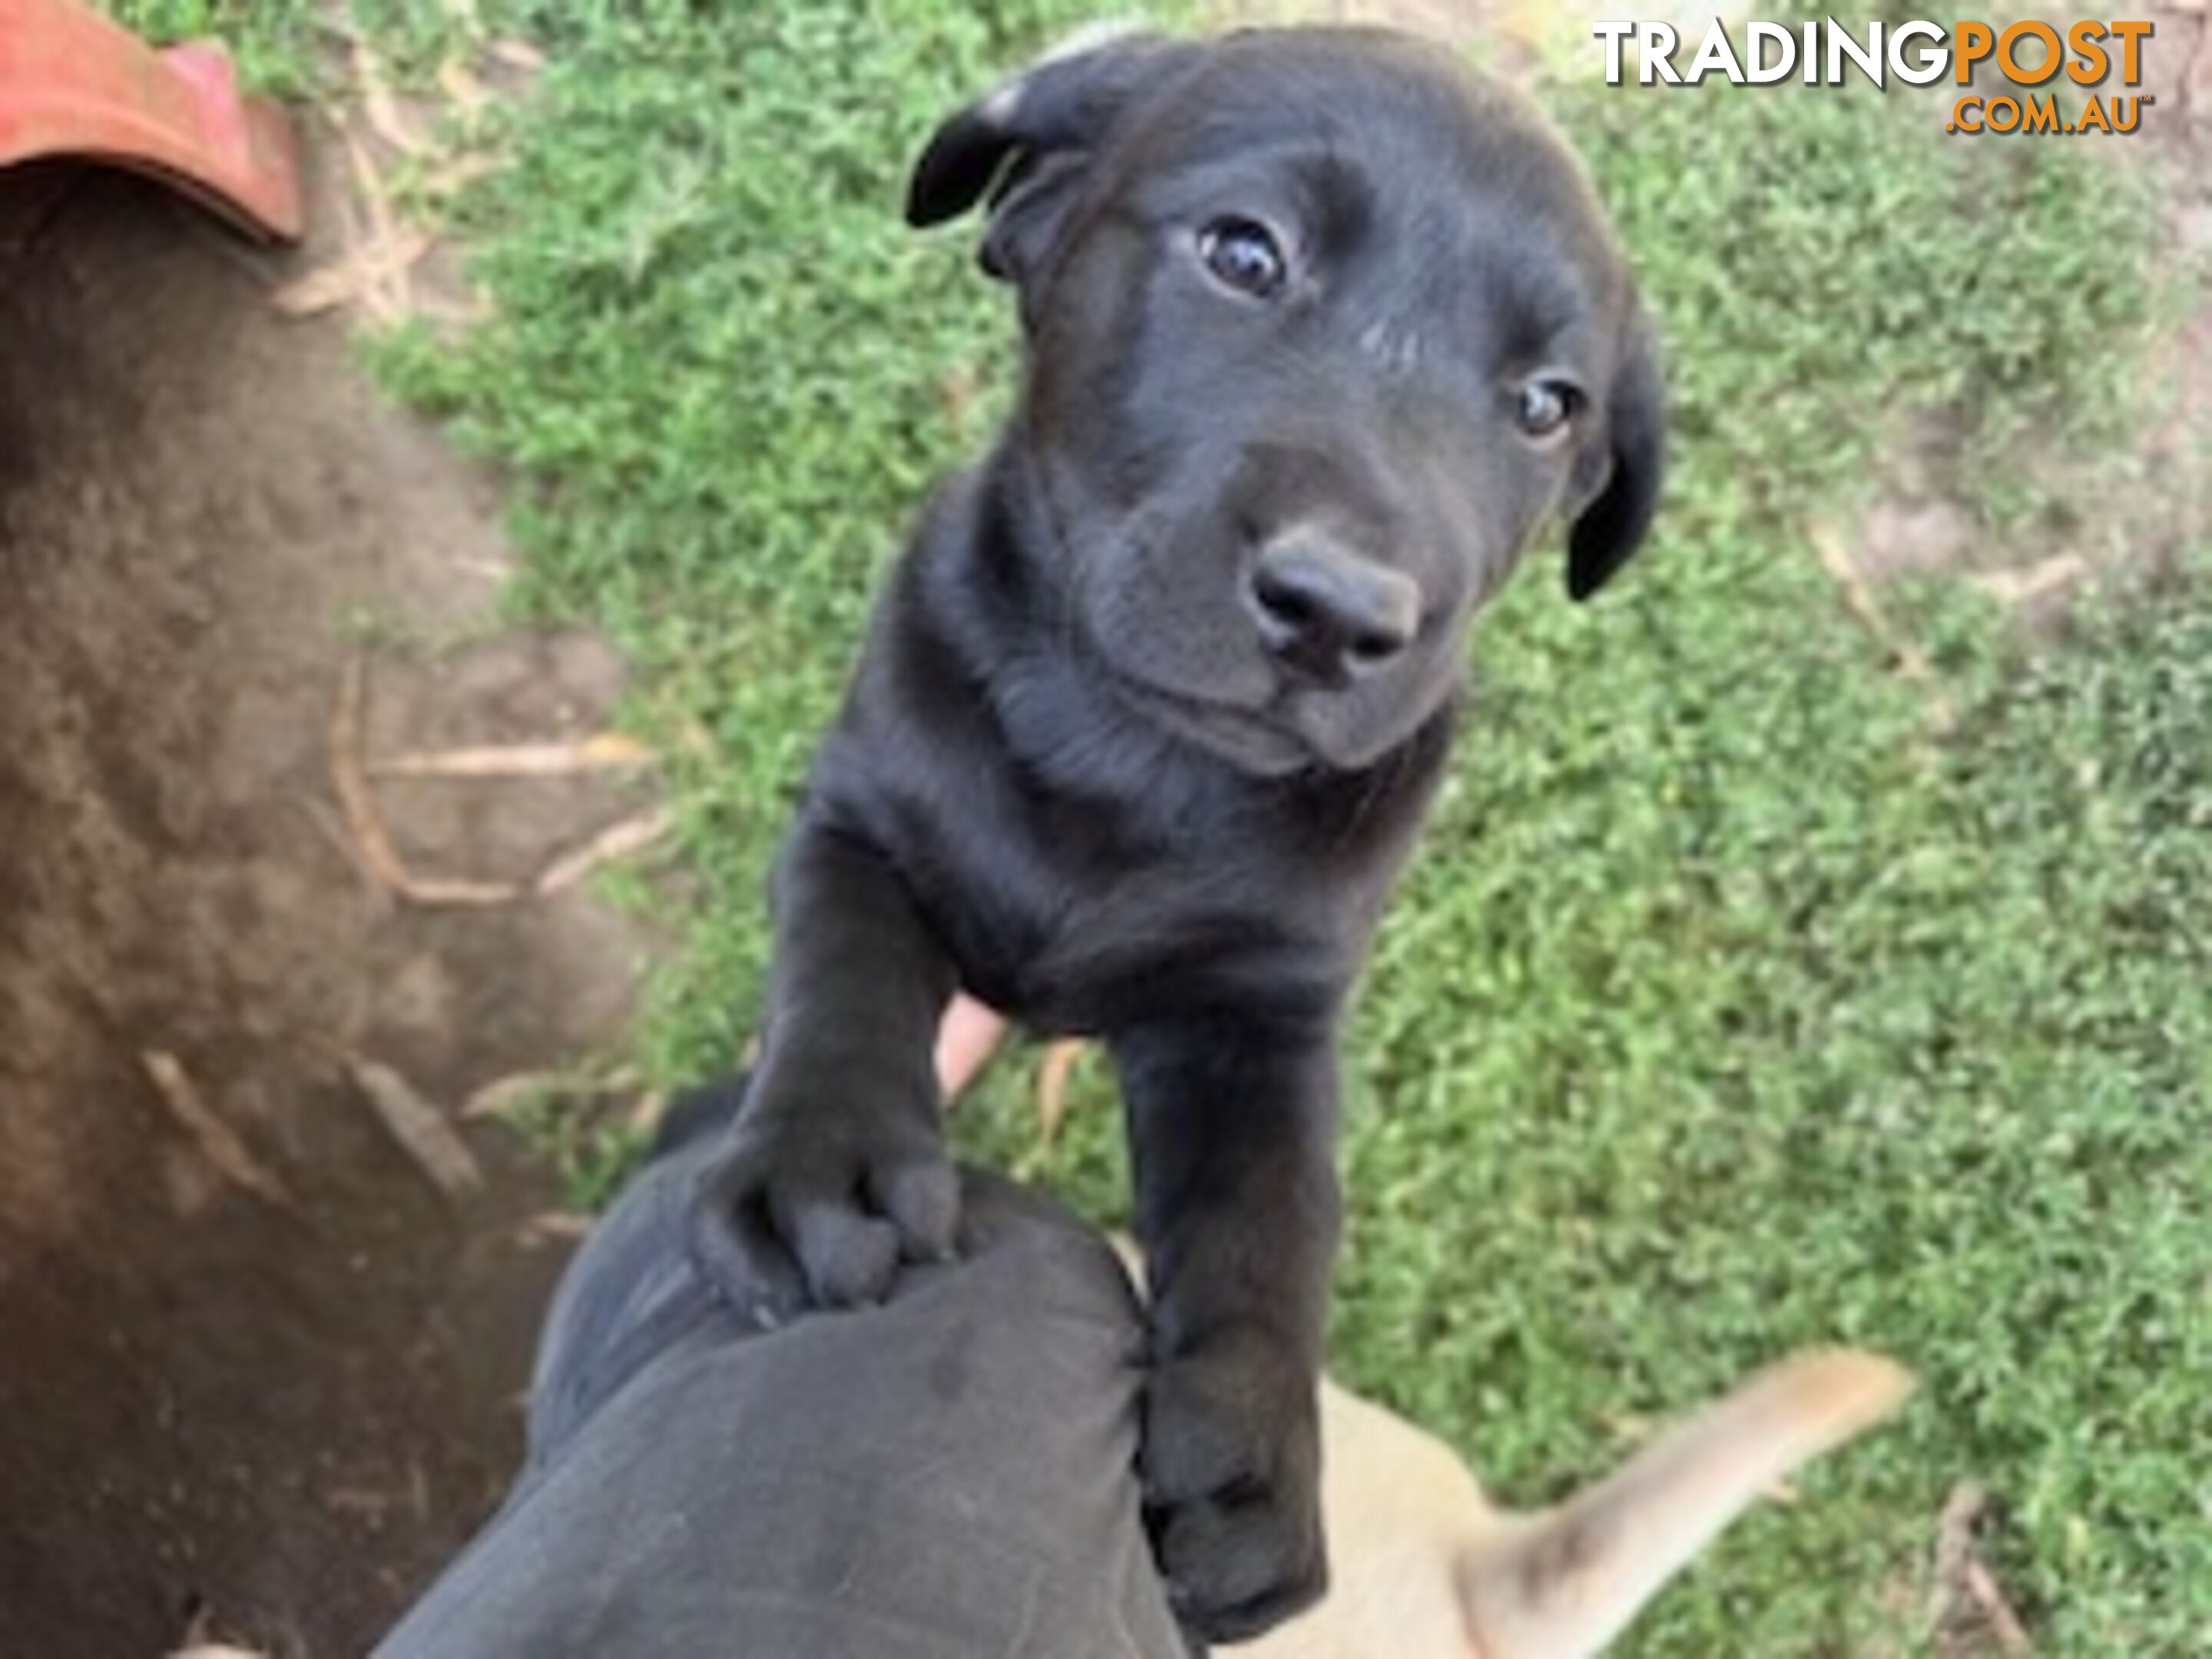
[[2133, 511], [260, 1364]]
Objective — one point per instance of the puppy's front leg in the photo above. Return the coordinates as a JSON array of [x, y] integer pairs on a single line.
[[836, 1166], [1232, 1128]]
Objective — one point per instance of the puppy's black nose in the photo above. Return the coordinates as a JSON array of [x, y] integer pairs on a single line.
[[1326, 611]]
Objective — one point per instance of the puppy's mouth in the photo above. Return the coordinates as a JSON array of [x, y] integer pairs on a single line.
[[1235, 708], [1262, 743]]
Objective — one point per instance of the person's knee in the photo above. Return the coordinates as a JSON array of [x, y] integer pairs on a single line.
[[1047, 1246]]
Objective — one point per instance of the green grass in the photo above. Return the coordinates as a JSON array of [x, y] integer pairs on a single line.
[[1735, 1002]]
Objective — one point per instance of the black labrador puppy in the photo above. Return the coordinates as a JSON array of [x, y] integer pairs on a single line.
[[1322, 331]]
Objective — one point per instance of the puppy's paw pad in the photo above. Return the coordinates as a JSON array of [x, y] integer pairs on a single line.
[[1232, 1500], [1237, 1567]]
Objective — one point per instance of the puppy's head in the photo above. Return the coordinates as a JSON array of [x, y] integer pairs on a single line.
[[1322, 329]]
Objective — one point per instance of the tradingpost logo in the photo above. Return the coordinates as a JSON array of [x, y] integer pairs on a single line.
[[2036, 57]]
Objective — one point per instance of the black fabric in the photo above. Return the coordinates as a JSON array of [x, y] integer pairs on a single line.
[[947, 1476]]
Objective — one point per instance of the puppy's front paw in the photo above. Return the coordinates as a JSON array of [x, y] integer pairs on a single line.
[[803, 1209], [1231, 1470]]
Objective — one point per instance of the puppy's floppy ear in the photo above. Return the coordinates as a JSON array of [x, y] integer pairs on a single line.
[[1025, 143], [1621, 489]]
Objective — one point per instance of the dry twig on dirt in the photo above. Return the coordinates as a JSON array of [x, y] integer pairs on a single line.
[[646, 1114], [349, 279], [602, 752], [199, 1648], [216, 1139], [371, 840], [552, 1227], [511, 1093], [463, 90], [1967, 1607], [517, 55], [614, 843], [387, 294], [1859, 595], [377, 854], [2045, 577], [324, 819], [419, 1126], [379, 103]]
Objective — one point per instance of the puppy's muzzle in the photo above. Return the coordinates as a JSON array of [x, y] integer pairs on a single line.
[[1327, 613]]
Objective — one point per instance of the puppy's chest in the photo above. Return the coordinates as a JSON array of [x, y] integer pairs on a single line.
[[1103, 947], [1087, 908]]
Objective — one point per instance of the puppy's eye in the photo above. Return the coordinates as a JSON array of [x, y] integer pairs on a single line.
[[1243, 254], [1544, 407]]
